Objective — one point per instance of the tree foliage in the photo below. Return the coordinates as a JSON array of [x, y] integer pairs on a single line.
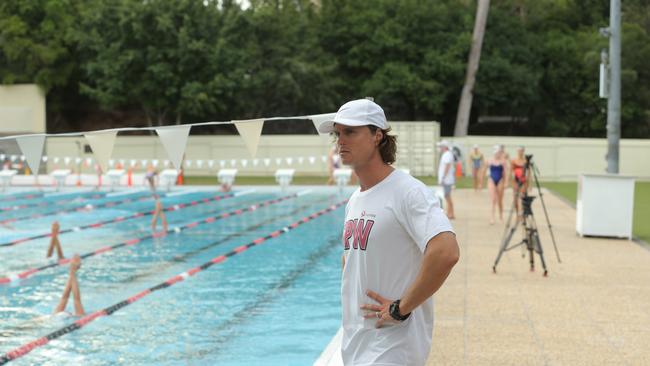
[[171, 61]]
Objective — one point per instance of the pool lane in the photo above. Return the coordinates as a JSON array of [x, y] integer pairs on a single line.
[[72, 327]]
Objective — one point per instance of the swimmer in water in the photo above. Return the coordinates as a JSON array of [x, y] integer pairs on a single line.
[[54, 241], [72, 286], [159, 211]]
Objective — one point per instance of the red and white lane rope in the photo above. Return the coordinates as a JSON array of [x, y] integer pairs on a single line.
[[122, 218], [26, 348], [30, 272]]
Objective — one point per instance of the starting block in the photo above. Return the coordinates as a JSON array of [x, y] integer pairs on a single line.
[[5, 177], [59, 176], [168, 178], [342, 177], [226, 177], [114, 177], [284, 177]]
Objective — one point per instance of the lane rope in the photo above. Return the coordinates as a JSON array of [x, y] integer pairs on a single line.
[[136, 215], [47, 203], [86, 207], [28, 347], [23, 196], [130, 242]]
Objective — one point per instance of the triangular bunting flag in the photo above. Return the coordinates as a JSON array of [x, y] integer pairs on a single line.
[[101, 144], [174, 140], [32, 148], [250, 131], [317, 119]]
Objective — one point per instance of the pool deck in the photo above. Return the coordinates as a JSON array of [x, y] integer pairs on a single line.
[[592, 309]]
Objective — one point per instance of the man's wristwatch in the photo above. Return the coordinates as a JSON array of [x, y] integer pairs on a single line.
[[393, 310]]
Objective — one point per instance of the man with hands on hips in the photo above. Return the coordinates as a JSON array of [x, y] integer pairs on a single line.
[[399, 246]]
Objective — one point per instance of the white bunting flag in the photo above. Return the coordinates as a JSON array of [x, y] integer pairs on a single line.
[[323, 159], [12, 158], [199, 164], [312, 160], [250, 131], [255, 162], [101, 144], [301, 160], [267, 161], [144, 163], [278, 161], [174, 140], [32, 149], [188, 163], [56, 160], [133, 163], [44, 159], [233, 163], [210, 163], [317, 119], [66, 160], [77, 161], [289, 160], [244, 163]]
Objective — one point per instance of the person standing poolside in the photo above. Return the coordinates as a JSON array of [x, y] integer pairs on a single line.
[[399, 247], [54, 241], [446, 175], [476, 161], [519, 176], [496, 182], [72, 286]]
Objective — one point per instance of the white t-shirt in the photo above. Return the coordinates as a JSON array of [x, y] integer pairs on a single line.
[[447, 158], [387, 228]]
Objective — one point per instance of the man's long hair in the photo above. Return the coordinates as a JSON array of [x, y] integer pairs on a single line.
[[387, 145]]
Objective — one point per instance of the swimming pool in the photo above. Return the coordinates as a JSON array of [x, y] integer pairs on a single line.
[[276, 303]]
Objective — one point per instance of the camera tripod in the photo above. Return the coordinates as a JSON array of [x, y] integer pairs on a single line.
[[530, 241]]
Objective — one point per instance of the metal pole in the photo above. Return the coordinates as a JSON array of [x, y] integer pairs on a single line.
[[614, 100]]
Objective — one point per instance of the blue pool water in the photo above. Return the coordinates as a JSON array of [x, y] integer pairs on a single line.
[[274, 304]]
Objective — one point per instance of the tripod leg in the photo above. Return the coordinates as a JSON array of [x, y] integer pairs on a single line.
[[503, 247], [538, 248]]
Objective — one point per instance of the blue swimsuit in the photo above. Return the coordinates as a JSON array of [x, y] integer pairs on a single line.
[[496, 173]]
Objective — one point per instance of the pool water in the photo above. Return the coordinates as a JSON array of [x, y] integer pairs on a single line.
[[274, 304]]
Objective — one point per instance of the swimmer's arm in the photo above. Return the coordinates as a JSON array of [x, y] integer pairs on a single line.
[[440, 256], [76, 293], [342, 262]]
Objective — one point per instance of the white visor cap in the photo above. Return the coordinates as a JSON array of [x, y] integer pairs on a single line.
[[360, 112]]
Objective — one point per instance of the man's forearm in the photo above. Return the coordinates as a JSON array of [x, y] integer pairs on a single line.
[[441, 255]]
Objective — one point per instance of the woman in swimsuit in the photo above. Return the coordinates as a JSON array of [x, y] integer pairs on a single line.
[[496, 182], [476, 161], [520, 175]]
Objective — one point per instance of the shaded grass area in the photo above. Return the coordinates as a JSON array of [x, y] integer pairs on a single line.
[[641, 224]]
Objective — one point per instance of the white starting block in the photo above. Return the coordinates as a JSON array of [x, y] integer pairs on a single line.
[[168, 178], [284, 177], [226, 177], [60, 176], [114, 177], [5, 177], [342, 177]]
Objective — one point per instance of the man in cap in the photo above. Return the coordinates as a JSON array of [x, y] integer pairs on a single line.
[[399, 247], [446, 174]]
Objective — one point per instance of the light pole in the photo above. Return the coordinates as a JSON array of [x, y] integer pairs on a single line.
[[614, 95]]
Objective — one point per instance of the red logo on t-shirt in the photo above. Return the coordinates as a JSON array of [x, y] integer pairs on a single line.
[[359, 231]]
